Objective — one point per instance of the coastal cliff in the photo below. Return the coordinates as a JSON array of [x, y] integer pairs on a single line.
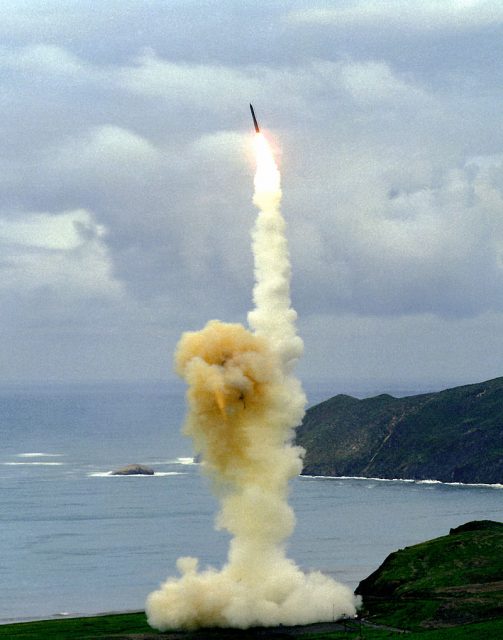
[[454, 435]]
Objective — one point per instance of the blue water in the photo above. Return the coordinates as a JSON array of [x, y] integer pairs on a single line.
[[74, 540]]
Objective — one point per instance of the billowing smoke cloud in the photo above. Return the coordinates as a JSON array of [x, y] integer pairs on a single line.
[[244, 403]]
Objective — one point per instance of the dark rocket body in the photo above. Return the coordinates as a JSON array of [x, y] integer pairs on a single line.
[[257, 130]]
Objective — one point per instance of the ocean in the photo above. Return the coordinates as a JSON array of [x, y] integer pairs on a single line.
[[75, 540]]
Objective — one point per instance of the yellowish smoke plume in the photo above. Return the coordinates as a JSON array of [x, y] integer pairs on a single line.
[[243, 404]]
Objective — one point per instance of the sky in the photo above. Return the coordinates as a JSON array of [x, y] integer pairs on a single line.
[[126, 178]]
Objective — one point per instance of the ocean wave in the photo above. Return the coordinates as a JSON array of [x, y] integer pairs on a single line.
[[183, 460], [376, 479], [407, 480], [462, 484], [170, 473], [366, 478], [38, 455], [33, 464]]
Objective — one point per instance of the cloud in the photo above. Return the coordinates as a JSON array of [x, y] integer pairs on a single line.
[[375, 82], [400, 351], [212, 88], [45, 231], [201, 85], [430, 15], [386, 123], [434, 249], [106, 154], [406, 238], [41, 59], [63, 253]]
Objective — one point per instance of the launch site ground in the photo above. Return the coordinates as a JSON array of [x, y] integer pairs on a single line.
[[133, 626]]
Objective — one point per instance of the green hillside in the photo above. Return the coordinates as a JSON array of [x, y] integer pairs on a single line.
[[453, 436], [452, 580]]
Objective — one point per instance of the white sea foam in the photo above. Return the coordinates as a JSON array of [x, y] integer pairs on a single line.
[[365, 478], [38, 455], [170, 473], [462, 484], [184, 461], [409, 480], [33, 464]]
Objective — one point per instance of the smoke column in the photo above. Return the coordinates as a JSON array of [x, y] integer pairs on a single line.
[[243, 404]]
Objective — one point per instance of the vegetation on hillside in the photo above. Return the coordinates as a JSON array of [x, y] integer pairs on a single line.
[[453, 436], [134, 627], [452, 580]]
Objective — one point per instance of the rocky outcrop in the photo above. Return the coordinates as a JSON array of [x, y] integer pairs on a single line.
[[134, 470]]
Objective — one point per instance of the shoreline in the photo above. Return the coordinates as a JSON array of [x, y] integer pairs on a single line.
[[406, 480]]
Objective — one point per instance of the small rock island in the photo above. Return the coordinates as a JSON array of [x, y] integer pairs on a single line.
[[134, 470]]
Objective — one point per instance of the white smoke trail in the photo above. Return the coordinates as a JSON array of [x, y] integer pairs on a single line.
[[244, 403]]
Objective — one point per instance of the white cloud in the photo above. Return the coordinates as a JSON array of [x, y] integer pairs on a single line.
[[41, 58], [216, 89], [47, 231], [63, 253], [201, 85], [107, 148], [403, 234], [223, 146], [428, 15], [371, 82], [434, 247], [391, 160]]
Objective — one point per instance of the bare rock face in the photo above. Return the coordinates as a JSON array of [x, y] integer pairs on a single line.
[[134, 470]]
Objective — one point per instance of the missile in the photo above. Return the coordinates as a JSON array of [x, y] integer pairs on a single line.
[[257, 130]]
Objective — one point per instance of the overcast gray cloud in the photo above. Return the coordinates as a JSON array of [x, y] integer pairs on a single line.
[[126, 179]]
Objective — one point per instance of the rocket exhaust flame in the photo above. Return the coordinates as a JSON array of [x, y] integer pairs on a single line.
[[244, 403]]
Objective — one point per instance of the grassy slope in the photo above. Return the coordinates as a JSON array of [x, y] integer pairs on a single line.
[[454, 435], [454, 579], [96, 627], [134, 626]]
